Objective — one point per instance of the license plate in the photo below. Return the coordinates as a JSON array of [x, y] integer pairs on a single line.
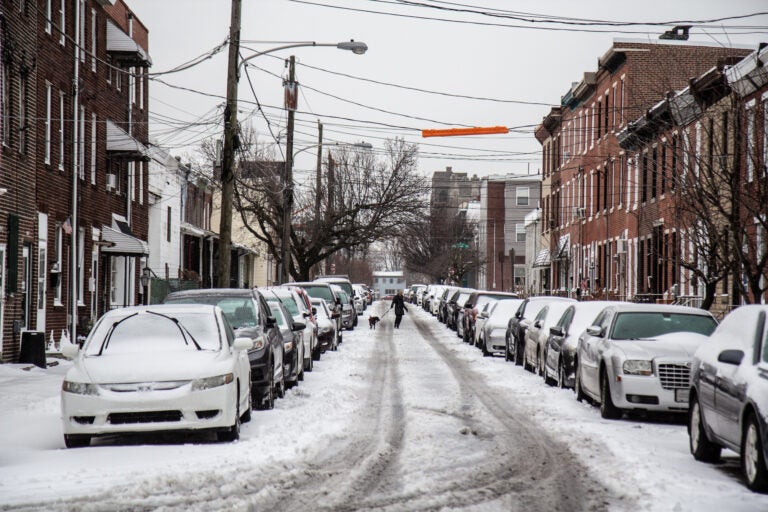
[[681, 395]]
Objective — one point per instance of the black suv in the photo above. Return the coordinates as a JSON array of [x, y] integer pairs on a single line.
[[250, 317]]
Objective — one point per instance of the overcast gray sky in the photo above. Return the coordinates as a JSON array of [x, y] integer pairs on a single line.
[[521, 69]]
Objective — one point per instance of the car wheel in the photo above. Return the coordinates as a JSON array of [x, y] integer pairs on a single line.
[[540, 370], [547, 379], [607, 409], [577, 389], [76, 440], [560, 374], [752, 459], [311, 363], [507, 353], [701, 447], [484, 348], [233, 432], [519, 356], [280, 388], [246, 417]]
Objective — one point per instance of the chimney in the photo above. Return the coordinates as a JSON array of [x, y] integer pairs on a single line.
[[679, 33]]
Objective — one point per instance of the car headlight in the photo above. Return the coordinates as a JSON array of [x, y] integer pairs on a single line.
[[325, 330], [259, 343], [288, 346], [637, 367], [212, 382], [80, 388]]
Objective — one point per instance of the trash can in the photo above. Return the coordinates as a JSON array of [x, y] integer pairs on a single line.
[[32, 348]]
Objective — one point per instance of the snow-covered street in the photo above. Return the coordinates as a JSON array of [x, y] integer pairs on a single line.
[[397, 419]]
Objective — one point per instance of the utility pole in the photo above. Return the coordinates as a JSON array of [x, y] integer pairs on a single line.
[[228, 152], [285, 247], [319, 180], [331, 185]]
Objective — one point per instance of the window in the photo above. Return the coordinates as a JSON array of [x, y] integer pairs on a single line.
[[141, 182], [675, 160], [6, 70], [606, 181], [81, 145], [110, 70], [644, 178], [606, 112], [81, 266], [168, 225], [62, 22], [58, 249], [663, 172], [93, 148], [622, 101], [132, 85], [520, 232], [140, 83], [81, 33], [522, 195], [47, 123], [654, 170], [613, 111], [93, 40], [61, 130], [765, 134], [131, 180], [48, 24], [599, 119], [22, 128], [749, 152]]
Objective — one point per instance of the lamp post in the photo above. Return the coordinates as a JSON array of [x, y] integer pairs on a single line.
[[230, 129]]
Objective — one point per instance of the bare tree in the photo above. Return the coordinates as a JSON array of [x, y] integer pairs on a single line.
[[362, 200]]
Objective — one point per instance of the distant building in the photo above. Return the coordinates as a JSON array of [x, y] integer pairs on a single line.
[[388, 283], [451, 189]]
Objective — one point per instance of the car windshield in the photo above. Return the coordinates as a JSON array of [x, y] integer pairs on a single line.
[[320, 292], [240, 311], [649, 324], [150, 333]]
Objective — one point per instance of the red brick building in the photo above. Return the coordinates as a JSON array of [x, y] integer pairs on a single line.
[[74, 162], [603, 211]]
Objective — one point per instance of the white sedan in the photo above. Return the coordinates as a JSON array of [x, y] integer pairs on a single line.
[[157, 368]]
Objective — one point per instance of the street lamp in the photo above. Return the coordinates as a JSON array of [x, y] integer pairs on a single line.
[[230, 128]]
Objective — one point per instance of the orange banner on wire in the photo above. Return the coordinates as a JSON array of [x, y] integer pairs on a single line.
[[452, 132]]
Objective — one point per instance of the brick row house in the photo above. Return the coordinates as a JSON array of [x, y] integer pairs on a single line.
[[707, 238], [73, 165], [609, 220]]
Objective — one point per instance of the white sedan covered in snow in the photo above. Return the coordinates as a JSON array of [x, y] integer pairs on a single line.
[[157, 368]]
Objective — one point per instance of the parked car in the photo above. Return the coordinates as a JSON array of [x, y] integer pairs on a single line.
[[293, 342], [729, 394], [157, 368], [455, 307], [361, 302], [475, 301], [348, 315], [326, 337], [537, 333], [442, 308], [564, 337], [518, 324], [494, 329], [636, 356], [346, 285], [250, 317], [434, 299], [482, 316], [321, 290], [300, 311]]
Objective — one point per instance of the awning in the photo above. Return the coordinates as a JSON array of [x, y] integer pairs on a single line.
[[124, 49], [189, 229], [119, 143], [122, 244], [542, 259]]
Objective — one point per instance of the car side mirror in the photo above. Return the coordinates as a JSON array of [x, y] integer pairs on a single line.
[[270, 321], [298, 326], [595, 330], [537, 324], [314, 310], [334, 315], [556, 331], [243, 344], [70, 350], [468, 305], [733, 357], [483, 314]]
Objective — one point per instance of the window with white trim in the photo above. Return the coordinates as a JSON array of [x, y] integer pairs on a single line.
[[62, 23], [93, 148], [81, 34], [81, 145], [80, 267], [520, 232], [22, 127], [6, 102], [58, 249], [48, 91], [93, 40], [48, 24], [522, 194], [62, 106]]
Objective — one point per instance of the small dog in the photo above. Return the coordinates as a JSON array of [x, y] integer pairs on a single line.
[[372, 321]]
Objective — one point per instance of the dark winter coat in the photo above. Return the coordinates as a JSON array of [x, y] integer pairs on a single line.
[[399, 304]]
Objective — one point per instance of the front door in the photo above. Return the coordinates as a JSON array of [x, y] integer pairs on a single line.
[[26, 286], [42, 273], [2, 293]]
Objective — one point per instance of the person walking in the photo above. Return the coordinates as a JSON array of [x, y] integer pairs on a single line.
[[399, 304]]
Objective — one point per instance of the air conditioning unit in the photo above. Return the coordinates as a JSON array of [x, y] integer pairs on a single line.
[[621, 246], [111, 181], [579, 213]]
